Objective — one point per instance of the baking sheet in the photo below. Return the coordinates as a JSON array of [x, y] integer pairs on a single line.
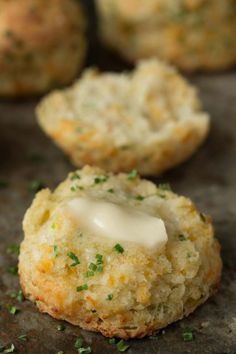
[[26, 154]]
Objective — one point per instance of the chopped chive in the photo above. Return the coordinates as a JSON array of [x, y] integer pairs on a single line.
[[100, 179], [110, 190], [11, 349], [82, 287], [93, 267], [164, 186], [118, 248], [54, 226], [13, 310], [18, 296], [122, 346], [13, 249], [55, 251], [109, 297], [36, 186], [75, 176], [61, 327], [202, 217], [3, 184], [99, 258], [23, 337], [87, 350], [13, 270], [100, 268], [154, 337], [139, 197], [78, 343], [74, 258], [182, 237], [112, 341], [132, 175], [73, 188], [89, 274], [187, 335]]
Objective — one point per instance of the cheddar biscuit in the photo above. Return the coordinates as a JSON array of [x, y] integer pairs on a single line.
[[192, 34], [42, 45], [149, 119], [117, 287]]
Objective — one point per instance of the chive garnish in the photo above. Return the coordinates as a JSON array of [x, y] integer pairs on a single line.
[[13, 270], [74, 258], [13, 249], [13, 310], [164, 186], [55, 251], [61, 327], [132, 175], [122, 346], [109, 297], [100, 179], [36, 186], [23, 337], [118, 248], [182, 237], [187, 335], [75, 176], [82, 287]]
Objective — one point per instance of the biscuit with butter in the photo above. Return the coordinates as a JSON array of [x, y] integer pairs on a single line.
[[149, 119], [117, 254]]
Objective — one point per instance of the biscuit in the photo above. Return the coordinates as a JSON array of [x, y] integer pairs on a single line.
[[192, 34], [42, 45], [149, 119], [135, 292]]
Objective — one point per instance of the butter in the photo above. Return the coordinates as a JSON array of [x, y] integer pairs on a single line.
[[118, 222]]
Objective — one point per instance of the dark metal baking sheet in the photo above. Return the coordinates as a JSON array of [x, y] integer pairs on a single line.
[[208, 178]]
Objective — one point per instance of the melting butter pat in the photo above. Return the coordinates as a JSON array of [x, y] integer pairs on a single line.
[[118, 222]]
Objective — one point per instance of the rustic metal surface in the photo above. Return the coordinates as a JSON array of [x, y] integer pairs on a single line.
[[208, 178]]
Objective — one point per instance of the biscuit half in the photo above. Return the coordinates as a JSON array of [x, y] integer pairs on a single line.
[[149, 119]]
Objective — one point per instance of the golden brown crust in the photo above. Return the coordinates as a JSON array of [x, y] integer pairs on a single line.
[[36, 52]]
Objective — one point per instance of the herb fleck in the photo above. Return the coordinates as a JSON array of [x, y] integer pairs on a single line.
[[18, 296], [23, 337], [82, 287], [109, 297], [93, 267], [74, 258], [61, 327], [182, 237], [122, 346], [87, 350], [11, 349], [100, 179], [13, 310], [78, 343], [13, 270], [139, 197], [187, 335], [36, 186], [13, 249], [89, 274], [132, 175], [164, 186], [75, 176], [112, 341], [110, 190], [55, 251], [99, 258], [118, 248]]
